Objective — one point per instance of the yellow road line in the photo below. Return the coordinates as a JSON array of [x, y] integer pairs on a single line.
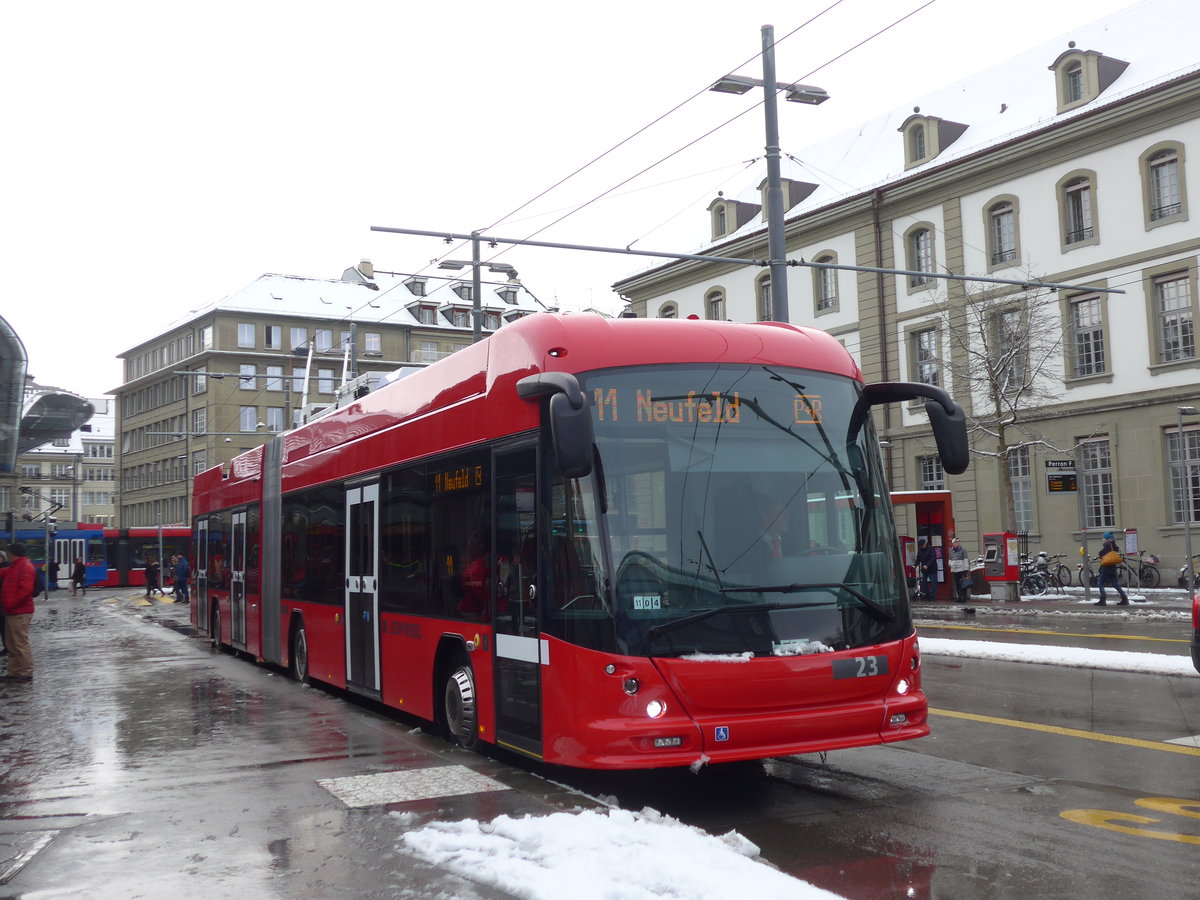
[[1111, 637], [1068, 732]]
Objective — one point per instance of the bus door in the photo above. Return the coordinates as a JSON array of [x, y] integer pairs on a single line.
[[237, 581], [362, 587], [200, 616], [520, 653]]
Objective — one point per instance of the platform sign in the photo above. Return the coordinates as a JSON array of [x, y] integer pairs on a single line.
[[1060, 476]]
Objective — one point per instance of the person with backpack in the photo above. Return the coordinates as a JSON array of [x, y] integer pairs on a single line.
[[17, 585]]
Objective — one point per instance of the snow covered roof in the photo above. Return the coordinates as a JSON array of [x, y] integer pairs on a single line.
[[1010, 100], [384, 298]]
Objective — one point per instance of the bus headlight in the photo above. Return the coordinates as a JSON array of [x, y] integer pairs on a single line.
[[656, 709]]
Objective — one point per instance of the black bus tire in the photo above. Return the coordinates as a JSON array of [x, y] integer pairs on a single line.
[[460, 705], [298, 658]]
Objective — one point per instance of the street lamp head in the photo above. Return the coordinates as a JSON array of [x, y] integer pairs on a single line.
[[453, 264], [1188, 411], [735, 84], [806, 93]]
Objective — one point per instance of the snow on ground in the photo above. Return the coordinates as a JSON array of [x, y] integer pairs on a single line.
[[605, 855], [621, 855]]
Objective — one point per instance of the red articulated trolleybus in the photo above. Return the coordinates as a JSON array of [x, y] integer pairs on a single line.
[[605, 543]]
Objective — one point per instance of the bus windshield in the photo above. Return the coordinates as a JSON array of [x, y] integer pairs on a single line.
[[744, 511]]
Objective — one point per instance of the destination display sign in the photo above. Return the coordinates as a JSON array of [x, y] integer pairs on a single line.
[[642, 406]]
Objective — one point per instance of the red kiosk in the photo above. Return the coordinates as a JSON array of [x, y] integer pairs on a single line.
[[935, 523]]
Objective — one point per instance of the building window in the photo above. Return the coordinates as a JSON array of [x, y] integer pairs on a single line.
[[416, 286], [1012, 351], [199, 420], [460, 318], [323, 339], [1002, 232], [920, 256], [428, 352], [274, 378], [1021, 475], [1095, 464], [199, 461], [325, 381], [373, 343], [1073, 83], [668, 311], [427, 315], [508, 295], [1176, 325], [299, 337], [204, 338], [245, 333], [298, 381], [762, 289], [1164, 181], [933, 478], [1087, 337], [1077, 211], [825, 284], [247, 418], [463, 290], [491, 320], [246, 378], [1183, 462], [925, 355], [273, 337], [199, 382], [916, 142], [719, 220], [714, 306], [274, 418]]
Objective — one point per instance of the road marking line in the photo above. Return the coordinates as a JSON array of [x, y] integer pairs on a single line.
[[1111, 637], [1069, 732]]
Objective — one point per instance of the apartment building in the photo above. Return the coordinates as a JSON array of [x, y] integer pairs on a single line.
[[1070, 164], [222, 379]]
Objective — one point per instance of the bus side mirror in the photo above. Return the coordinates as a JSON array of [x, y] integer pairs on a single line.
[[570, 420], [945, 416]]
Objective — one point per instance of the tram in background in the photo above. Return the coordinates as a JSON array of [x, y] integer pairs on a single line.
[[628, 543], [69, 541], [128, 550]]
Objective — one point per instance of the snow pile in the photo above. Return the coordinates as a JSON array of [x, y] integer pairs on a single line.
[[605, 855]]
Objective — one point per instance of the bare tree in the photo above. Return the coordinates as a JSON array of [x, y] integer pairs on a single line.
[[1005, 363]]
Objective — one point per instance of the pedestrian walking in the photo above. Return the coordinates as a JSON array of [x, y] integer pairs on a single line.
[[960, 570], [1110, 561], [181, 571], [16, 597], [926, 569], [153, 573], [79, 577]]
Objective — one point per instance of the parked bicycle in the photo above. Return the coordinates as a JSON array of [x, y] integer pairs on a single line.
[[1032, 583], [1183, 572], [1057, 574]]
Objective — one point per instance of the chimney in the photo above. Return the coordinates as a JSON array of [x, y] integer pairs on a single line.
[[367, 269]]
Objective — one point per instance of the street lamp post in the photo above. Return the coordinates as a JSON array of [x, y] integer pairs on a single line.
[[796, 93], [1182, 411], [476, 282]]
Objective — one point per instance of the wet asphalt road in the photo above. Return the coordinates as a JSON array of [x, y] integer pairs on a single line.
[[142, 764]]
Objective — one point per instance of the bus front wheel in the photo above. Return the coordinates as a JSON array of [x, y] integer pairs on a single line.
[[461, 707]]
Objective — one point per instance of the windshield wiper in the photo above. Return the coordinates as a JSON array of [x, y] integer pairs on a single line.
[[658, 630], [881, 612]]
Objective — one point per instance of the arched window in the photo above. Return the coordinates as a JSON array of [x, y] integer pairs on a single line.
[[714, 305]]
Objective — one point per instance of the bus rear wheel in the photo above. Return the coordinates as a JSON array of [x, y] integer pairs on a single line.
[[299, 656], [461, 707]]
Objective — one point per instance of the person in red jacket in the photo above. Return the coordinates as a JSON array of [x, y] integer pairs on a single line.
[[16, 598]]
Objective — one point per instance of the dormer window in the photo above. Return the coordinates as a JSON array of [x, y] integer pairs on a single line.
[[416, 286], [793, 193], [925, 137], [727, 216], [1083, 75], [462, 289], [508, 295]]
